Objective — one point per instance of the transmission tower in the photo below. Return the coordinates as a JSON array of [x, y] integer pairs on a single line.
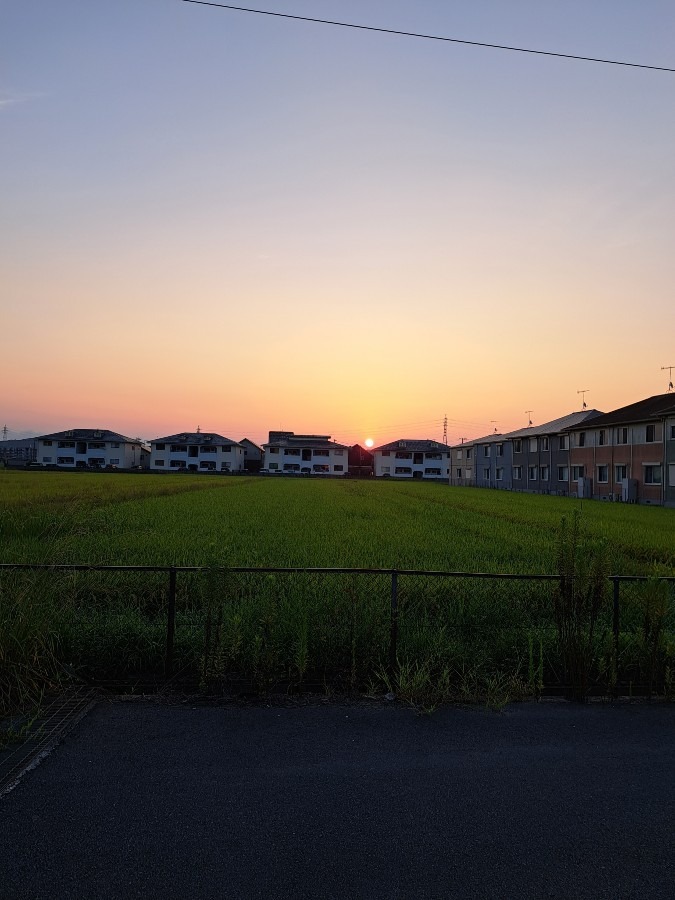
[[4, 431]]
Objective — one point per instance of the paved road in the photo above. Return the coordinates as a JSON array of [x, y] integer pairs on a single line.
[[327, 801]]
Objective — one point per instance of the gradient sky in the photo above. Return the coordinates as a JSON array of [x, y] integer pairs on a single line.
[[220, 219]]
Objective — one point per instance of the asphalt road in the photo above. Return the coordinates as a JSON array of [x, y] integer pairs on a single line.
[[329, 801]]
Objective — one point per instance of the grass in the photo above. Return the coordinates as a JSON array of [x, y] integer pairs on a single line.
[[457, 639]]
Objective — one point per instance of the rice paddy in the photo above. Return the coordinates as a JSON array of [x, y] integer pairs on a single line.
[[456, 638]]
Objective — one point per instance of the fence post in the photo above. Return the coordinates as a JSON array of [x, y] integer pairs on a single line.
[[615, 631], [393, 626], [170, 623]]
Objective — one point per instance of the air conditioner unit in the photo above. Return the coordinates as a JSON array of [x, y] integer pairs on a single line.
[[585, 488], [629, 490]]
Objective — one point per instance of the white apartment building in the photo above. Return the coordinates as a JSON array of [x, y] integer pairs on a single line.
[[287, 453], [196, 451], [407, 458], [91, 448]]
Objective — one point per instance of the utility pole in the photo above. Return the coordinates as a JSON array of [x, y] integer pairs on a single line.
[[663, 369], [583, 397]]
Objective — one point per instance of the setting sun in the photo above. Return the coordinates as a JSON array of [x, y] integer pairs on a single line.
[[369, 442]]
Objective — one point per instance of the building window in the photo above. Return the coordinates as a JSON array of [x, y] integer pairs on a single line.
[[581, 439], [620, 473], [274, 465], [532, 473], [432, 472], [159, 446], [272, 450], [433, 456], [533, 445], [209, 449], [65, 460], [499, 474], [577, 472], [386, 453], [225, 466], [403, 470], [651, 434], [467, 474], [486, 474], [176, 464], [338, 468], [500, 449], [602, 437], [46, 459], [96, 445], [227, 448], [460, 454], [517, 446], [321, 452], [564, 442], [320, 467], [64, 444], [115, 444], [338, 452], [517, 473], [114, 462], [603, 474], [544, 443], [468, 453], [671, 475], [459, 473], [563, 473], [486, 450], [652, 474], [672, 432], [293, 452], [386, 470], [403, 454], [47, 443], [291, 467], [159, 462], [543, 473], [178, 448], [622, 435], [208, 465]]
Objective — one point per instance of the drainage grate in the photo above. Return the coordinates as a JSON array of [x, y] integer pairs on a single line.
[[62, 714]]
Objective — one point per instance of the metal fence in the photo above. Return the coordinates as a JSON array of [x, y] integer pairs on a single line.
[[276, 623]]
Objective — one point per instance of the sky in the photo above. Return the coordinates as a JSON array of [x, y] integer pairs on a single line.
[[239, 222]]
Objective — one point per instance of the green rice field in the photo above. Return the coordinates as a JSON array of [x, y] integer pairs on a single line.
[[456, 638]]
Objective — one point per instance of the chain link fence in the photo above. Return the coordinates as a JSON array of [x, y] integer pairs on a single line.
[[259, 629]]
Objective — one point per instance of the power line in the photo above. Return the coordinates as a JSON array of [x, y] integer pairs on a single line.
[[429, 37]]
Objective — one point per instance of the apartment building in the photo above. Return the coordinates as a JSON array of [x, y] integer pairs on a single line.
[[93, 448], [412, 458], [287, 453], [196, 451]]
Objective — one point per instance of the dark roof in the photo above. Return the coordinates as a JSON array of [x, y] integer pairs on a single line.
[[488, 439], [416, 446], [88, 434], [555, 425], [297, 441], [652, 408], [196, 437], [252, 443]]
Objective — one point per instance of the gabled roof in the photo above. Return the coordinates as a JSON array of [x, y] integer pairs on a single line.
[[488, 439], [88, 434], [197, 437], [414, 445], [555, 425], [248, 442], [297, 441], [643, 411]]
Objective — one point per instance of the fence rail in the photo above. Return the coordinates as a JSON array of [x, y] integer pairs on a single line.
[[394, 576]]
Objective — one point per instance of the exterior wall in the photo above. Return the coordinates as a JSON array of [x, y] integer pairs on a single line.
[[610, 455], [669, 473], [71, 453], [492, 463], [171, 457], [462, 465], [307, 460], [431, 464]]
